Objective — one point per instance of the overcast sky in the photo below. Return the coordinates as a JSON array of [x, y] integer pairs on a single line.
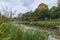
[[25, 5]]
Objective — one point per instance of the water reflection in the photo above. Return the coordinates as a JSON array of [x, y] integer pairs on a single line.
[[51, 38]]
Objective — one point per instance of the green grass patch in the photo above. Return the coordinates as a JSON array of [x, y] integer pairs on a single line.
[[45, 24], [11, 32], [48, 22]]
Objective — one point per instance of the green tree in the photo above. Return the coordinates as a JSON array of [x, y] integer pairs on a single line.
[[54, 12]]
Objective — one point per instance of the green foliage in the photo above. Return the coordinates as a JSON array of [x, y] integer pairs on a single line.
[[42, 14], [6, 31], [38, 14], [3, 19], [46, 24], [29, 35], [11, 32]]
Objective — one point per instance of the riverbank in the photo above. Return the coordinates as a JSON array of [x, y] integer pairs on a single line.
[[45, 24], [55, 34]]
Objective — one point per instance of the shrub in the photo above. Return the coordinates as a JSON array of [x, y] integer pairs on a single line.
[[6, 31]]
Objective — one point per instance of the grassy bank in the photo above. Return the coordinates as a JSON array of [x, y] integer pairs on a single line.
[[45, 24], [11, 32], [55, 23]]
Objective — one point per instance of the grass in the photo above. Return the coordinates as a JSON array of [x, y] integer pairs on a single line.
[[45, 24], [11, 32], [55, 23]]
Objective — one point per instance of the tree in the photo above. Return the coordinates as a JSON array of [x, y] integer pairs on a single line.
[[58, 3], [42, 12], [58, 12], [39, 14], [2, 18], [28, 16], [9, 13], [54, 12]]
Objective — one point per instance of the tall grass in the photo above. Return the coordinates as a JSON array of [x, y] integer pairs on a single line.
[[45, 24], [11, 32]]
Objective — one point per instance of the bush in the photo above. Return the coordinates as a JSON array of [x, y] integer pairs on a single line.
[[6, 31]]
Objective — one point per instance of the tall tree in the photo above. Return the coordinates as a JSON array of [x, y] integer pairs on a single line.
[[9, 13]]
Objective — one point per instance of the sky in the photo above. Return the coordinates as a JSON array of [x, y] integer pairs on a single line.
[[25, 5]]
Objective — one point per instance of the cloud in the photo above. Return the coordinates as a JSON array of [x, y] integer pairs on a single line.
[[14, 4], [27, 2], [25, 5]]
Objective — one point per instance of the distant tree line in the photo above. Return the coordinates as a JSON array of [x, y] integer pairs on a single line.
[[42, 13]]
